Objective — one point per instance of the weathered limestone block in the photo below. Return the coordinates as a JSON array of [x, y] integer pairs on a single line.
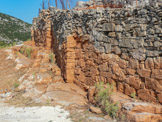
[[139, 54], [149, 63], [116, 50], [81, 63], [129, 90], [134, 64], [118, 72], [160, 97], [118, 28], [122, 63], [144, 72], [152, 53], [112, 34], [109, 27], [57, 79], [130, 71], [157, 62], [157, 74], [91, 93], [134, 82], [114, 42], [103, 67], [81, 76], [107, 48], [127, 43], [145, 95], [94, 71], [153, 84], [120, 87]]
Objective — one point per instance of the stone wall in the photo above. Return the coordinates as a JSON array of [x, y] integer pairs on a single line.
[[119, 46]]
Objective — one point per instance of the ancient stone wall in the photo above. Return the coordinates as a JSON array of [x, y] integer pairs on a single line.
[[119, 46]]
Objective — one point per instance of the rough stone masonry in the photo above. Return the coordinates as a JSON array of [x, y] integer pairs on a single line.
[[119, 46]]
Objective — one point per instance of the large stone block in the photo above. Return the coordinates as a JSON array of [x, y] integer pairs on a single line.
[[130, 71], [109, 27], [157, 74], [153, 84], [134, 64], [57, 79], [69, 76], [144, 73], [149, 63], [103, 67], [129, 90], [107, 48], [139, 54], [157, 62], [118, 73], [145, 95], [134, 82], [120, 87], [91, 93], [81, 63], [116, 50], [112, 34], [126, 42], [71, 42], [81, 77], [122, 63]]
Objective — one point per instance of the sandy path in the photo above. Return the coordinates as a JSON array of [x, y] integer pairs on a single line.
[[33, 114]]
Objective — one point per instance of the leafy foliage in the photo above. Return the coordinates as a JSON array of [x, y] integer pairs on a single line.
[[103, 99], [26, 51], [16, 85]]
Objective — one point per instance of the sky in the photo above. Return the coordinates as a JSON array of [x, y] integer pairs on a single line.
[[25, 10]]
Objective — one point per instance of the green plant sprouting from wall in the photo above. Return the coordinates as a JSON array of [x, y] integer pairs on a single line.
[[51, 57], [104, 91], [133, 95], [16, 85]]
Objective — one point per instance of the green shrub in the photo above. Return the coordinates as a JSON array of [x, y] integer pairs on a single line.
[[51, 57], [16, 85], [103, 99], [5, 44], [28, 51], [22, 51]]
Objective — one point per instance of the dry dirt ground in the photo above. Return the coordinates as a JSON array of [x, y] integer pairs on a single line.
[[15, 108]]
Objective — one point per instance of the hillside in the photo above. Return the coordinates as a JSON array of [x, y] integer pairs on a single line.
[[13, 29]]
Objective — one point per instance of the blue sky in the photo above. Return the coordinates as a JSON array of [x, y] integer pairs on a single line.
[[25, 10]]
